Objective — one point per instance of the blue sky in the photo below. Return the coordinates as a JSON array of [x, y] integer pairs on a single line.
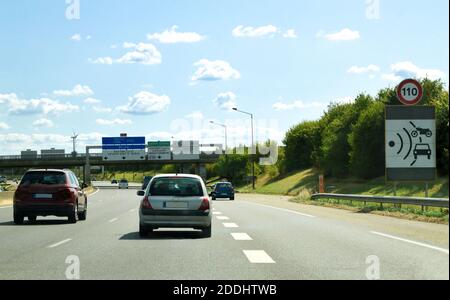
[[283, 60]]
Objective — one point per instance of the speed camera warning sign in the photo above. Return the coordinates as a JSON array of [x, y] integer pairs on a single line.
[[409, 92], [410, 143]]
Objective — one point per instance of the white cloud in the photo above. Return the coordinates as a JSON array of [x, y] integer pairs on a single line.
[[362, 70], [290, 34], [4, 126], [214, 70], [103, 60], [407, 69], [92, 101], [43, 123], [101, 109], [17, 106], [142, 53], [76, 37], [196, 115], [114, 122], [255, 32], [171, 36], [226, 101], [281, 106], [145, 103], [343, 35], [78, 90]]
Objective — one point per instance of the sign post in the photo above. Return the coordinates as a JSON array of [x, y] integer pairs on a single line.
[[159, 151]]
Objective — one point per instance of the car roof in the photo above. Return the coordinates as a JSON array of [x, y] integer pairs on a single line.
[[49, 170], [178, 175]]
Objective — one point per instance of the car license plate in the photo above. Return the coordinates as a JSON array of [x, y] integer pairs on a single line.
[[43, 196], [176, 205]]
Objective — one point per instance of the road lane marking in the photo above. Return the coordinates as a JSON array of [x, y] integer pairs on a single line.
[[222, 218], [2, 207], [258, 257], [241, 237], [446, 251], [59, 243], [230, 225], [98, 190], [113, 220], [282, 209], [217, 213], [132, 210]]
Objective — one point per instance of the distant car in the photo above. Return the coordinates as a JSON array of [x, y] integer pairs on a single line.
[[123, 184], [49, 193], [145, 182], [422, 150], [175, 201], [223, 190], [113, 181]]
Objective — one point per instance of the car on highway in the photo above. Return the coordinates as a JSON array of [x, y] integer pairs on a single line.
[[123, 184], [145, 182], [49, 193], [223, 190], [113, 181], [175, 201]]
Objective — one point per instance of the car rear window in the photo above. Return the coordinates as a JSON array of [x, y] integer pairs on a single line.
[[177, 186], [45, 178]]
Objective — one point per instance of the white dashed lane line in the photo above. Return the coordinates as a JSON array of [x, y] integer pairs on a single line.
[[59, 243], [222, 218], [217, 213], [258, 257], [113, 220], [230, 225], [241, 237], [446, 251]]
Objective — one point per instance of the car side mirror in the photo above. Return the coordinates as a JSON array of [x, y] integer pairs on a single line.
[[141, 193]]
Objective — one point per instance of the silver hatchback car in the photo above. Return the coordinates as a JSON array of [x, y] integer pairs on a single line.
[[175, 201]]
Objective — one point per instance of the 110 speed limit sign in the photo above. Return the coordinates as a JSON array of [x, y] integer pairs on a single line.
[[410, 92]]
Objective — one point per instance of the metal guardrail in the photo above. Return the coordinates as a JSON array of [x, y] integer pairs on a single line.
[[424, 202]]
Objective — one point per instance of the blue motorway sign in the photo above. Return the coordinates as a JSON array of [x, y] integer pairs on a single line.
[[123, 141], [123, 148]]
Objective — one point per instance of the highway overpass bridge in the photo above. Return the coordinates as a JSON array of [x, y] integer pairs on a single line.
[[86, 161]]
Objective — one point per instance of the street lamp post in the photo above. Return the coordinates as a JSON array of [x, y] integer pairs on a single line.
[[253, 145], [226, 135]]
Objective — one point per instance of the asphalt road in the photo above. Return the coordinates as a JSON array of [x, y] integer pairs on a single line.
[[252, 239]]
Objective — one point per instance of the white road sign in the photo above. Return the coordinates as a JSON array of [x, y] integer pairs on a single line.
[[123, 155], [410, 143]]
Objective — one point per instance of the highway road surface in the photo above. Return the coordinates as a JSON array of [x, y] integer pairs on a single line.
[[254, 237]]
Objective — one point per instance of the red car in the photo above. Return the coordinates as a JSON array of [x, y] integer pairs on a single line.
[[49, 193]]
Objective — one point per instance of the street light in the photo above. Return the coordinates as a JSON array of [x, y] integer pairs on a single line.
[[253, 144], [226, 136]]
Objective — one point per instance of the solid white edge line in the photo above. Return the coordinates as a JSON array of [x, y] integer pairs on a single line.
[[446, 251], [282, 209], [98, 190], [59, 243]]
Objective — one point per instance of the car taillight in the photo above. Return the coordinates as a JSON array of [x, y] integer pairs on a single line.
[[146, 203], [205, 204]]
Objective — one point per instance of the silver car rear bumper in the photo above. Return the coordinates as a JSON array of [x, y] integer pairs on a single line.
[[175, 219]]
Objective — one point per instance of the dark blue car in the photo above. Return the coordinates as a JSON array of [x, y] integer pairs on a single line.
[[223, 190]]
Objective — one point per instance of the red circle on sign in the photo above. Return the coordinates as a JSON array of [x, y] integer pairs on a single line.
[[406, 95]]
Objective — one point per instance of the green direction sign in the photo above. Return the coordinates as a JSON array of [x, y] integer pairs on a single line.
[[159, 150]]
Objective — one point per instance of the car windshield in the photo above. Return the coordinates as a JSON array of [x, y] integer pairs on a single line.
[[183, 187], [45, 178]]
